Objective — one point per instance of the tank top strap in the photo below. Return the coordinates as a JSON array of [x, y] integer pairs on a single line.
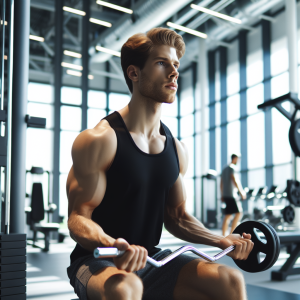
[[114, 121], [167, 131]]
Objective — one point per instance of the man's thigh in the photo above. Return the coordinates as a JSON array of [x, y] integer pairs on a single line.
[[110, 283], [202, 280]]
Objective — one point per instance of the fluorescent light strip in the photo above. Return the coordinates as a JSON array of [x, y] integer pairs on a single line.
[[109, 51], [79, 74], [73, 54], [72, 66], [74, 73], [116, 7], [36, 38], [188, 30], [216, 14], [99, 22], [74, 11]]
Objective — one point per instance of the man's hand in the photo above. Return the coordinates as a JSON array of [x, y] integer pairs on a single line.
[[243, 245], [133, 259]]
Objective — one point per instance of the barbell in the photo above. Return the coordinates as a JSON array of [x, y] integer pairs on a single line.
[[263, 235]]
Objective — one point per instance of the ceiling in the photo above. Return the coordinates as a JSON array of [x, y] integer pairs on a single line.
[[147, 14]]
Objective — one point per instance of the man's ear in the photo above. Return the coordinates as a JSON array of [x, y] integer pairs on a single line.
[[132, 72]]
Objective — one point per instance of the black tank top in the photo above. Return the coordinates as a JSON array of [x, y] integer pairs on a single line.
[[137, 187]]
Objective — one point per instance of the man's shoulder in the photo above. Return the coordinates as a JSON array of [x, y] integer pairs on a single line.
[[95, 146]]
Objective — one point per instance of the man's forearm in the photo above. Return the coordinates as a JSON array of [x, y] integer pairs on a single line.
[[188, 228], [88, 234]]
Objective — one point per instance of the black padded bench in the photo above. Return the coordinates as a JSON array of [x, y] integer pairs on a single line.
[[291, 240]]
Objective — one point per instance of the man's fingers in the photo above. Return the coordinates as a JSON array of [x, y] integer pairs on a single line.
[[133, 261]]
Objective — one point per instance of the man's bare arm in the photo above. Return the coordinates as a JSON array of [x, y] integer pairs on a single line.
[[238, 185], [177, 220], [186, 227], [92, 153]]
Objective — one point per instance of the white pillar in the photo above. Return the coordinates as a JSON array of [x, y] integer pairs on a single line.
[[291, 28], [201, 97]]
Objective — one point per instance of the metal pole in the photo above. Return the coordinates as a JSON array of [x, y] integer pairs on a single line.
[[57, 102], [85, 61], [291, 29], [201, 88], [8, 120], [2, 55], [19, 108]]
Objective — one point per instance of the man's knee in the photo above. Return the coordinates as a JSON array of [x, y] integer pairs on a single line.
[[123, 286], [233, 279]]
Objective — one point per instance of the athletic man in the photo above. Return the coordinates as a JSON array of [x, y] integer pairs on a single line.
[[127, 180], [229, 184]]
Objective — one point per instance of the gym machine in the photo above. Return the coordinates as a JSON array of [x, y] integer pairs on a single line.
[[209, 203], [294, 132], [12, 245]]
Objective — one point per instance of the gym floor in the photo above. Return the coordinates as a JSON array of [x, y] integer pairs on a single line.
[[47, 278]]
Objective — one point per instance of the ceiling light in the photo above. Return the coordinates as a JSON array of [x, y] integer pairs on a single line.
[[74, 11], [73, 54], [74, 73], [36, 38], [109, 51], [113, 6], [188, 30], [5, 57], [215, 14], [72, 66], [91, 77], [5, 23], [99, 22]]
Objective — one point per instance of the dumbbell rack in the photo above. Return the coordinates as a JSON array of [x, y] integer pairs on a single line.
[[12, 266]]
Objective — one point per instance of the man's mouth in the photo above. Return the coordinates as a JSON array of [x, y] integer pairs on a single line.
[[172, 86]]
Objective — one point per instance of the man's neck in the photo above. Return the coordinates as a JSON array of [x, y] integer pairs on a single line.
[[142, 115]]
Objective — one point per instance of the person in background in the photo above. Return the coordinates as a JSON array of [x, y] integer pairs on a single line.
[[229, 184]]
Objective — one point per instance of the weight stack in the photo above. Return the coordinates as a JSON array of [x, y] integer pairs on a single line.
[[12, 266]]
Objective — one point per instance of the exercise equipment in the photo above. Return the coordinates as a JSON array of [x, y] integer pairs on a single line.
[[269, 245], [293, 192], [291, 240], [288, 214], [294, 134]]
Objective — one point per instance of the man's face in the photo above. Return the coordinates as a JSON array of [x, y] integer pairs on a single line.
[[235, 160], [160, 70]]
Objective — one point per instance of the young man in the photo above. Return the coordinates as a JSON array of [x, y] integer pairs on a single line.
[[127, 180], [229, 182]]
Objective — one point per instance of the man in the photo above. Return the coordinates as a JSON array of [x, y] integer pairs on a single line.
[[127, 180], [229, 182]]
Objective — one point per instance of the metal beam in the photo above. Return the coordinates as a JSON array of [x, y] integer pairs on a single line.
[[107, 74], [71, 36], [34, 65], [40, 58], [43, 44]]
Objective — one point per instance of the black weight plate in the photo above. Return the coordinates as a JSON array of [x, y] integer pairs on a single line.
[[253, 263], [293, 192], [277, 247], [288, 214], [294, 137]]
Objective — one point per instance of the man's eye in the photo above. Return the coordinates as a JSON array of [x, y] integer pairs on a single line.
[[161, 62]]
